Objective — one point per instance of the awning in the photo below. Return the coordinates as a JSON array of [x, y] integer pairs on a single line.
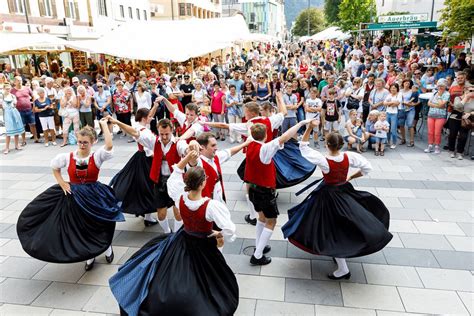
[[331, 33], [14, 43]]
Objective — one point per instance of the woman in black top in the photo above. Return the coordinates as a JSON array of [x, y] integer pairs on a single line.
[[249, 94], [44, 108]]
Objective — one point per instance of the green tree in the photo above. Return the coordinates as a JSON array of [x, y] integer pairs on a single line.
[[455, 17], [316, 22], [353, 12], [331, 10]]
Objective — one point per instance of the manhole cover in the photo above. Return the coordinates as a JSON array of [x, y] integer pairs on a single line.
[[249, 250]]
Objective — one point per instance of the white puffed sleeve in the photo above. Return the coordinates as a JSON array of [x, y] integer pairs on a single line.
[[175, 184], [314, 157], [358, 161], [181, 147], [239, 128], [147, 139], [180, 117], [60, 161], [219, 213], [102, 155], [269, 150], [276, 120]]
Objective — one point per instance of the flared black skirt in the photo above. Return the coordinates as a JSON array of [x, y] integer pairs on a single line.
[[339, 221], [61, 228], [176, 274], [133, 186]]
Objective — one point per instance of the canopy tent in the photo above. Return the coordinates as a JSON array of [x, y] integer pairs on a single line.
[[14, 43], [330, 33], [168, 40], [260, 37]]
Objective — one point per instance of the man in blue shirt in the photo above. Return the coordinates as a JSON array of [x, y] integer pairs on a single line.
[[236, 81]]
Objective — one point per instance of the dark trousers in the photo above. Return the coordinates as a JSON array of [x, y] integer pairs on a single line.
[[456, 131]]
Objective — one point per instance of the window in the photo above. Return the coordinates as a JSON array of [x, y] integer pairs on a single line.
[[102, 7], [130, 13], [122, 12], [138, 14], [252, 17], [71, 9], [47, 8], [182, 9], [144, 15], [189, 9], [16, 7]]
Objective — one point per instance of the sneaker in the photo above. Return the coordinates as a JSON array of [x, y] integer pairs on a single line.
[[250, 221], [437, 151], [429, 149], [46, 144], [393, 146], [54, 143], [316, 145], [260, 262], [460, 157], [322, 139], [452, 155]]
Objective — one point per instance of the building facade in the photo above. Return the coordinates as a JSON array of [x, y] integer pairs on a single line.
[[71, 19], [185, 9], [431, 7]]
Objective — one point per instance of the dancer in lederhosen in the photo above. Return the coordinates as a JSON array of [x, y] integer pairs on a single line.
[[73, 221], [335, 219], [182, 273], [133, 185]]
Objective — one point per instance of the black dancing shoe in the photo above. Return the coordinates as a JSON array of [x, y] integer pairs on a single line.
[[89, 267], [267, 249], [260, 262], [334, 260], [149, 223], [110, 258], [346, 276], [250, 221]]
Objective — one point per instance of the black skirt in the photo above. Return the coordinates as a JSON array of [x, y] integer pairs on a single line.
[[61, 228], [176, 274], [133, 186], [338, 221]]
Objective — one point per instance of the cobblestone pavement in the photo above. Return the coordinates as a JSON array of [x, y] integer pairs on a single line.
[[427, 268]]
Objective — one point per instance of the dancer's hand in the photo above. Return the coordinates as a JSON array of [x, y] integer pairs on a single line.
[[66, 187], [219, 237]]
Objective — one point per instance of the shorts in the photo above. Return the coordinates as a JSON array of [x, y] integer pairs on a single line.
[[47, 122], [401, 118], [264, 200], [331, 125], [161, 197], [410, 118], [382, 140], [27, 117]]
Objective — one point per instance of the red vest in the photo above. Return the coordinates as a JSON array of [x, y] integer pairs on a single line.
[[140, 146], [172, 157], [183, 129], [256, 171], [265, 121], [195, 221], [81, 176], [337, 171], [212, 178]]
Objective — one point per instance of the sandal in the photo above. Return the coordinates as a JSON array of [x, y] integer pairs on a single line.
[[411, 144], [37, 141], [62, 145], [377, 153], [6, 151], [403, 142], [23, 144], [382, 153], [18, 148]]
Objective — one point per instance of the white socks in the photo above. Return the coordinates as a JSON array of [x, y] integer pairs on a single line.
[[262, 242], [90, 261], [149, 217], [108, 252], [177, 225], [342, 268], [165, 225], [260, 225], [252, 212]]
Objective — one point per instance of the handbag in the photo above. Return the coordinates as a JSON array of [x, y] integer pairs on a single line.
[[352, 103], [468, 123]]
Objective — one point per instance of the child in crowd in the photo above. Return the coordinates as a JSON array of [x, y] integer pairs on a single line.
[[359, 131], [331, 113], [313, 106], [204, 113], [381, 129], [291, 103]]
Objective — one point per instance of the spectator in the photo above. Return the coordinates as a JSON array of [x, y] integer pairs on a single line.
[[313, 107], [331, 113], [85, 109], [44, 108], [218, 109], [24, 97], [463, 108], [234, 104], [378, 96], [437, 117], [69, 112], [381, 129], [291, 102], [123, 104], [393, 104], [13, 122]]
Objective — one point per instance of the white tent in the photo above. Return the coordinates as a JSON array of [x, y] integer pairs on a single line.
[[11, 42], [260, 37], [330, 33]]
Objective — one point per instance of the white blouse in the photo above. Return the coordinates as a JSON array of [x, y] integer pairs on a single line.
[[243, 128], [62, 160], [315, 157], [146, 134], [215, 212], [143, 101], [181, 118]]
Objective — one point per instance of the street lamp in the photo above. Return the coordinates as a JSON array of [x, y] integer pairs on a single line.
[[308, 17]]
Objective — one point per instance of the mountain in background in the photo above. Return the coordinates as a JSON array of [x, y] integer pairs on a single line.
[[294, 7]]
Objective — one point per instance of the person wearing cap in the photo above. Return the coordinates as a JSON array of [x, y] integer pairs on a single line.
[[186, 89], [437, 116], [75, 84]]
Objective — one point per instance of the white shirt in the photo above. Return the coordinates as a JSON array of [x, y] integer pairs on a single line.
[[396, 98], [181, 118], [215, 212], [148, 141], [315, 157], [143, 101], [223, 156], [268, 150], [101, 155], [386, 50], [142, 130], [243, 128]]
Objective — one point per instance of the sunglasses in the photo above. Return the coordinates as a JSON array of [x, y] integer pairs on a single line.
[[99, 86], [85, 82]]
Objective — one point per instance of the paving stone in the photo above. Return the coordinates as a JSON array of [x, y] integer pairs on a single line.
[[279, 247], [21, 268], [21, 310], [391, 201], [65, 295], [468, 300], [5, 202], [9, 232], [133, 239], [241, 264], [68, 273], [442, 185], [395, 192], [454, 259], [371, 296], [410, 257], [294, 252], [419, 176], [407, 184], [402, 226], [451, 216], [321, 268], [410, 214], [261, 287], [441, 228], [377, 183], [64, 312], [467, 228], [313, 292], [431, 194], [377, 257], [444, 279], [420, 203], [461, 243], [391, 275], [287, 267], [129, 253], [282, 308], [387, 313], [396, 241], [322, 310], [432, 301], [100, 275], [119, 252], [456, 204], [425, 241], [246, 307], [233, 247], [102, 301], [4, 227], [20, 291]]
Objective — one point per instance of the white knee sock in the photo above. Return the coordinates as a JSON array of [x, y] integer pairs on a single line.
[[165, 225], [149, 217], [177, 225], [262, 242], [90, 261], [342, 268], [108, 252], [260, 225], [252, 212]]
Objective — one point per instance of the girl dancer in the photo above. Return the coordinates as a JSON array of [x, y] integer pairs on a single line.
[[336, 220], [73, 221], [182, 273]]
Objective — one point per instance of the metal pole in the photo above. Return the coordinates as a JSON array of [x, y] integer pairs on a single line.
[[26, 16], [172, 9], [432, 9], [308, 17]]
